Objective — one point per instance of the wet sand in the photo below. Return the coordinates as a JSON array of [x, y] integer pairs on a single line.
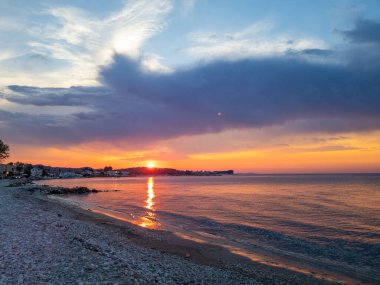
[[46, 241]]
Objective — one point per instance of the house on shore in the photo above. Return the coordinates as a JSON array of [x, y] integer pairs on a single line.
[[37, 171], [6, 170]]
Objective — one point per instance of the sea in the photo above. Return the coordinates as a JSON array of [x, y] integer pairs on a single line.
[[327, 225]]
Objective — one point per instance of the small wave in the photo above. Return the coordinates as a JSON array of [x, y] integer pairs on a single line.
[[337, 249]]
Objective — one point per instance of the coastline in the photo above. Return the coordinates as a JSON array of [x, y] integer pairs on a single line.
[[55, 242]]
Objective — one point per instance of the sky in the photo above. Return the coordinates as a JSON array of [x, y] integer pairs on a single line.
[[254, 86]]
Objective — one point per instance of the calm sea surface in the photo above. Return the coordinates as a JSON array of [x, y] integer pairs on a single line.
[[321, 223]]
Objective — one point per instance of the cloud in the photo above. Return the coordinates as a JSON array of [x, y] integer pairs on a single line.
[[329, 148], [141, 101], [73, 96], [153, 63], [256, 92], [365, 31], [35, 129], [256, 40], [316, 51], [139, 106], [68, 40]]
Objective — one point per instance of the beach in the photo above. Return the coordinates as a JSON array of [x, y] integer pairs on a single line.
[[45, 241]]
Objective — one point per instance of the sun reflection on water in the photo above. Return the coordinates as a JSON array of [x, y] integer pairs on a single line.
[[149, 221], [149, 200]]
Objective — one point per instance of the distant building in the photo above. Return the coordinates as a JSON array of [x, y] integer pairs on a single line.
[[53, 172], [37, 171], [98, 173], [69, 174], [124, 173], [112, 173]]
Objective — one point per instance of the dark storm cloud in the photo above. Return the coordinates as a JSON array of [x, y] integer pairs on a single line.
[[249, 93], [141, 106], [365, 31], [35, 129]]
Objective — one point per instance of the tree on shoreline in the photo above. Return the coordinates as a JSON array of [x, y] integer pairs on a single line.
[[4, 150]]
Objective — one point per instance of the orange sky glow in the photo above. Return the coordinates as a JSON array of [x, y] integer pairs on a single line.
[[349, 153]]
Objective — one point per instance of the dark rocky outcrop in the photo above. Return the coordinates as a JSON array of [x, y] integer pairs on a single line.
[[55, 190]]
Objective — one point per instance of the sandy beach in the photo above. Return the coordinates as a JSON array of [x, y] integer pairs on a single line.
[[45, 241]]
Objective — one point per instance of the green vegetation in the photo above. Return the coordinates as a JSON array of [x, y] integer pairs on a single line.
[[4, 150]]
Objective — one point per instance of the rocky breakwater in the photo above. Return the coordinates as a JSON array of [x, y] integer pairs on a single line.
[[56, 190]]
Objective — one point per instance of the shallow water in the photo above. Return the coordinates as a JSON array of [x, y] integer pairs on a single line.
[[329, 224]]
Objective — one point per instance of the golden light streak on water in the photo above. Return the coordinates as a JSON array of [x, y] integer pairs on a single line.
[[149, 221], [149, 200]]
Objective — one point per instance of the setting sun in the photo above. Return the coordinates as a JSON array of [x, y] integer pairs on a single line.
[[150, 164]]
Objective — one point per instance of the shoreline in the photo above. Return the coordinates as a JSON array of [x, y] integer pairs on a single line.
[[151, 246], [262, 257]]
